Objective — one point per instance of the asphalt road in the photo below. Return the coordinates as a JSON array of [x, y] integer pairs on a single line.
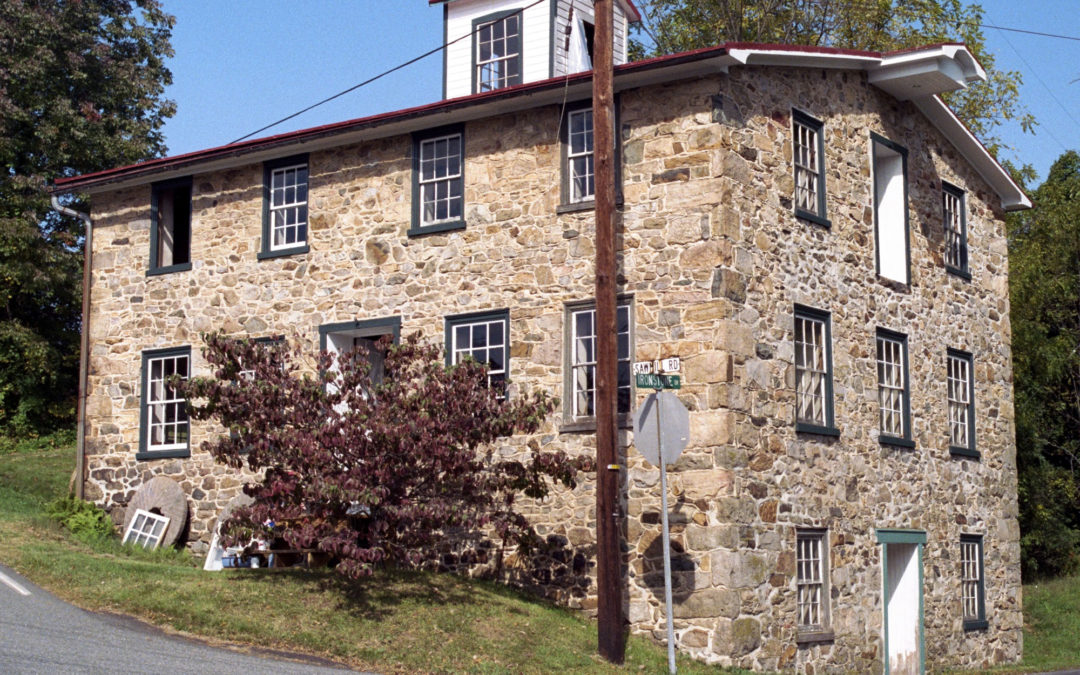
[[39, 633]]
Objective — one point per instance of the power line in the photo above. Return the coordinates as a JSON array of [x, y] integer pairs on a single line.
[[372, 79]]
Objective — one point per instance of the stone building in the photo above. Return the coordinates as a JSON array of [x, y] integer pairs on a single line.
[[811, 230]]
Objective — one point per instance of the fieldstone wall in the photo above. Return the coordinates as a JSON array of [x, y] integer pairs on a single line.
[[714, 261]]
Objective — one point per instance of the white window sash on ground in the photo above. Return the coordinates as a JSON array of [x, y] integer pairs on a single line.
[[583, 360], [959, 380], [891, 387], [440, 169], [166, 408], [146, 529], [485, 342], [806, 168], [810, 371], [288, 206], [579, 155], [810, 580], [496, 61]]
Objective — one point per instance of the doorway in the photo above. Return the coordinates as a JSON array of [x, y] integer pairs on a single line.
[[902, 588]]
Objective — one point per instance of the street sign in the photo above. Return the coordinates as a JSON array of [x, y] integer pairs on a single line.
[[661, 422], [654, 381], [642, 367], [670, 365]]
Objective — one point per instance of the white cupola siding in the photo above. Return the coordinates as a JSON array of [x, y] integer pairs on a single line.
[[510, 42]]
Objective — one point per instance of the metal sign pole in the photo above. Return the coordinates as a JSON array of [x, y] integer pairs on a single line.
[[667, 543]]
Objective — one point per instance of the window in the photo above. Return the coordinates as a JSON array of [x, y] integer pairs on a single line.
[[146, 529], [972, 590], [164, 418], [581, 371], [961, 403], [438, 182], [808, 156], [497, 53], [269, 344], [813, 372], [890, 208], [285, 207], [812, 584], [893, 393], [955, 217], [363, 336], [170, 227], [579, 167], [485, 338]]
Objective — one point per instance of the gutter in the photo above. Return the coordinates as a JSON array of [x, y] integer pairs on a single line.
[[84, 347]]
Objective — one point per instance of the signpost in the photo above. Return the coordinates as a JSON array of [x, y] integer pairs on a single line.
[[661, 432]]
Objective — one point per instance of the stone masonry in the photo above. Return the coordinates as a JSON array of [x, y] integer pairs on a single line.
[[714, 261]]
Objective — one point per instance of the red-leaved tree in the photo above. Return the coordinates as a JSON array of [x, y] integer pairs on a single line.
[[371, 472]]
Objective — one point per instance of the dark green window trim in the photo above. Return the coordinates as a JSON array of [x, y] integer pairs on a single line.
[[565, 205], [145, 452], [900, 536], [962, 270], [829, 428], [979, 623], [417, 229], [902, 151], [362, 328], [972, 448], [156, 190], [583, 423], [268, 170], [798, 117], [503, 315], [907, 440], [518, 60]]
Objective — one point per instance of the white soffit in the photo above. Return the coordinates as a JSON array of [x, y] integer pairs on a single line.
[[926, 72]]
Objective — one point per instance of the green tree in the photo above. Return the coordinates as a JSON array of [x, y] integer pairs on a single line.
[[1044, 289], [81, 89], [872, 25]]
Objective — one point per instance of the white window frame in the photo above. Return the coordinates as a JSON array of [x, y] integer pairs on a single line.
[[158, 407], [281, 207], [581, 360], [146, 529], [808, 159], [494, 73], [448, 181], [960, 384], [894, 405], [812, 580], [813, 371], [487, 322], [580, 154]]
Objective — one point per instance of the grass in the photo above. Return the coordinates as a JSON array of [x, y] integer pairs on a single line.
[[393, 622]]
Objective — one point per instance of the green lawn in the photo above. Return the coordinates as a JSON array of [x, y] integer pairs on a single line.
[[392, 622]]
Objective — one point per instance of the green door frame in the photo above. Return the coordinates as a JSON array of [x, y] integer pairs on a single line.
[[894, 536]]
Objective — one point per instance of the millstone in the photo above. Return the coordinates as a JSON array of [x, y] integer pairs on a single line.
[[165, 496]]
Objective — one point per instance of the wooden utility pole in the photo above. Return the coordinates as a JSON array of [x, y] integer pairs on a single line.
[[611, 641]]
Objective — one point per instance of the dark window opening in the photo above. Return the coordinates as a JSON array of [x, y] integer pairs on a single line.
[[173, 225]]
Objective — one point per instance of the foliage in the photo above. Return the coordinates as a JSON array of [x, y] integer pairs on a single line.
[[61, 438], [81, 89], [1044, 280], [372, 471], [872, 25], [81, 518]]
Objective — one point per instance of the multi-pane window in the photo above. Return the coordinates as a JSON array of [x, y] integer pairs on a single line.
[[285, 207], [582, 368], [971, 582], [961, 398], [498, 52], [813, 371], [812, 573], [439, 180], [485, 339], [955, 216], [808, 150], [146, 529], [165, 418], [580, 167], [170, 233], [288, 206], [893, 403]]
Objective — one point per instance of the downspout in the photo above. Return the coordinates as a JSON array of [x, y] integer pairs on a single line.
[[84, 347]]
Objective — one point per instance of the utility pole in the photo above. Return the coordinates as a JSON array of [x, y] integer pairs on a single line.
[[611, 642]]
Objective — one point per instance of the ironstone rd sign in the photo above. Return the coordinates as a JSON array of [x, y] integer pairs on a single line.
[[655, 381]]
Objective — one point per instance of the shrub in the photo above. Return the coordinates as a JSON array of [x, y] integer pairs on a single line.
[[82, 519]]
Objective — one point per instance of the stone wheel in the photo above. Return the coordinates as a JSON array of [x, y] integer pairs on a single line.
[[236, 502], [164, 496]]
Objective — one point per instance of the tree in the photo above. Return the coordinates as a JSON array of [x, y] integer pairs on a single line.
[[81, 89], [1044, 289], [872, 25], [372, 472]]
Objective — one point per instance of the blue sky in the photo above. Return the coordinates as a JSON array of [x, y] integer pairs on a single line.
[[242, 64]]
